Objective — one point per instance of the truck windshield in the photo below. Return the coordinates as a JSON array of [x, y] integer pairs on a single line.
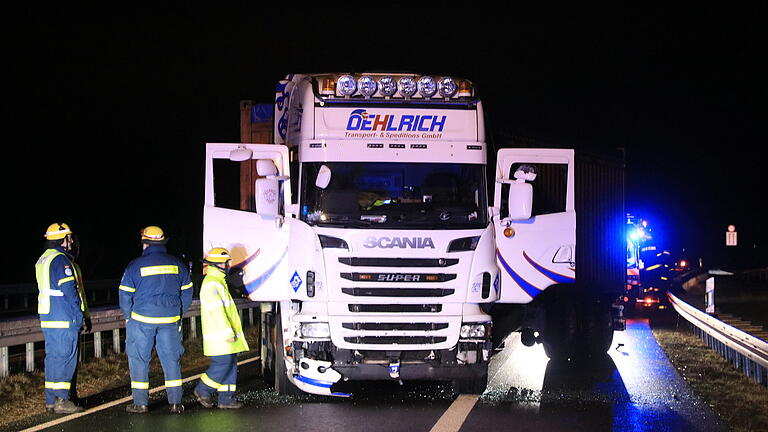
[[394, 195]]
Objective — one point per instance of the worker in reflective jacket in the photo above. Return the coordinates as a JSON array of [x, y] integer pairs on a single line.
[[223, 334], [61, 305], [155, 292]]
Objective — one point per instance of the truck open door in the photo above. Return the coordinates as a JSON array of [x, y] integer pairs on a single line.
[[249, 224], [534, 221]]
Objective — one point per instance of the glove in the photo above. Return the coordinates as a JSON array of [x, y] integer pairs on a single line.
[[87, 325]]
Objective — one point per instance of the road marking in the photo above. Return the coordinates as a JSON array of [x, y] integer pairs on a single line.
[[108, 405], [454, 417]]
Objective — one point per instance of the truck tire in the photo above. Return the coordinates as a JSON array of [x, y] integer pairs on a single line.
[[283, 385], [597, 329], [474, 386], [561, 332], [577, 329]]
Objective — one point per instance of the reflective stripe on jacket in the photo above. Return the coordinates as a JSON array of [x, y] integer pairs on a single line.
[[219, 317], [59, 301]]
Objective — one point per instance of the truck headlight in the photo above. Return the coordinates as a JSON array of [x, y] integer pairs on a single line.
[[315, 330], [473, 331]]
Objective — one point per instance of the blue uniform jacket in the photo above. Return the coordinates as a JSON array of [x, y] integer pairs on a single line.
[[155, 285], [64, 298]]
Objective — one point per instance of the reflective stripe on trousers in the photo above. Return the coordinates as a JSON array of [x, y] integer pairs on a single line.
[[220, 377]]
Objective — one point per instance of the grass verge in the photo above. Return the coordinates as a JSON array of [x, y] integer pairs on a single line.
[[22, 399], [741, 403]]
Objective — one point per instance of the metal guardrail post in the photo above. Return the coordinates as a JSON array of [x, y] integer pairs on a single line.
[[192, 328], [30, 356], [116, 347], [3, 361], [97, 344]]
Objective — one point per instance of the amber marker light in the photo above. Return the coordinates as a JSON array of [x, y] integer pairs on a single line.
[[329, 87], [509, 232], [465, 89]]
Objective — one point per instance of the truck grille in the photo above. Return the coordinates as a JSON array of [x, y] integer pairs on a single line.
[[399, 262], [371, 326], [403, 308], [398, 277], [395, 340], [398, 292]]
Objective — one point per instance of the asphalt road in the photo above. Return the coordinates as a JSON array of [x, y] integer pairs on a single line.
[[633, 388]]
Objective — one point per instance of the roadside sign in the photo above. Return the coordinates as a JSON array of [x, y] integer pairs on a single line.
[[731, 237]]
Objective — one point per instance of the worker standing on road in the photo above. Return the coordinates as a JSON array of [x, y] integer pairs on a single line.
[[155, 292], [223, 334], [61, 305]]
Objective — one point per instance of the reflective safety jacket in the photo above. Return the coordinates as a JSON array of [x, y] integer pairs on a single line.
[[155, 288], [60, 300], [219, 317]]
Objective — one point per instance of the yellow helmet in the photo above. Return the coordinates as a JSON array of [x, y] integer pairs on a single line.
[[218, 255], [57, 231], [152, 234]]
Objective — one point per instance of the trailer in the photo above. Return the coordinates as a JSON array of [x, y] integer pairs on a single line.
[[367, 229]]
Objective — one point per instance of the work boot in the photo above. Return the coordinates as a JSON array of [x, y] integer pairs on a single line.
[[232, 405], [205, 401], [137, 409], [49, 408], [176, 408], [65, 406]]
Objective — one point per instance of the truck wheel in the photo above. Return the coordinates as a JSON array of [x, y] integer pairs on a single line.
[[597, 329], [577, 329], [561, 333], [471, 385], [283, 385]]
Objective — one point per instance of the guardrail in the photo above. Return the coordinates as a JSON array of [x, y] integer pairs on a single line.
[[22, 298], [746, 352], [26, 331]]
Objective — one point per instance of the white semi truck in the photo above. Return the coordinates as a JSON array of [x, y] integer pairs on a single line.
[[367, 230]]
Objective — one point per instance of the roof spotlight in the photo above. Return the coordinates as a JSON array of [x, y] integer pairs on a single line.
[[427, 86], [447, 87], [367, 86], [346, 85], [407, 87], [387, 86]]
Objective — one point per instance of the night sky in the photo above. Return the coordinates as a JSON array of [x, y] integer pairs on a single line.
[[106, 111]]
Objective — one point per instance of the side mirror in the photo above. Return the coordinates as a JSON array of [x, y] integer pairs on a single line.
[[267, 197], [520, 200], [240, 154], [323, 177]]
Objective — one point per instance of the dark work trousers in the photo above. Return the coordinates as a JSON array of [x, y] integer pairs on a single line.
[[166, 339], [60, 362], [220, 377]]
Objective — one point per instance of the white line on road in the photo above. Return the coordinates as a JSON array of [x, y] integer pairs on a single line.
[[114, 403], [454, 417]]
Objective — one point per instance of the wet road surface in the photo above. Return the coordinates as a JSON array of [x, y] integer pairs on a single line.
[[633, 388]]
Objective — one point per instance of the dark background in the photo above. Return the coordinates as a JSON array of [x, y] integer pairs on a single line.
[[106, 109]]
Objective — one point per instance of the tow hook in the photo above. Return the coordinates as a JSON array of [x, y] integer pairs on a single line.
[[394, 369]]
